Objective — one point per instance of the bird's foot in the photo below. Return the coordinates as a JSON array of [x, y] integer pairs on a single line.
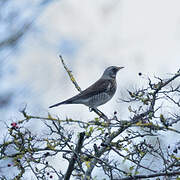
[[90, 109]]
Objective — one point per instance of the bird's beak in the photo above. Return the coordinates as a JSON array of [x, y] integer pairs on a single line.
[[118, 68]]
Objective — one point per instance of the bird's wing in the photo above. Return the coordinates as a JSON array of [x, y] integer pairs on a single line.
[[102, 85]]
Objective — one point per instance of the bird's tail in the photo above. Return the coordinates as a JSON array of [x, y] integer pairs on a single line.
[[64, 102]]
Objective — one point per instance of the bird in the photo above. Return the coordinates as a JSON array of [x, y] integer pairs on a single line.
[[98, 93]]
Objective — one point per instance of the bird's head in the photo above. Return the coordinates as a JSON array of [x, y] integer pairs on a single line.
[[110, 72]]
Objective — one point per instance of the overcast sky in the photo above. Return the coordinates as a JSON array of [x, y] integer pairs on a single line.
[[143, 36]]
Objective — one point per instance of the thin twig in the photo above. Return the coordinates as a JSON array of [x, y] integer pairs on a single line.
[[70, 75]]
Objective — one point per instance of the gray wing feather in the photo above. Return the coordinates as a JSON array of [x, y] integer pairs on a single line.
[[98, 87]]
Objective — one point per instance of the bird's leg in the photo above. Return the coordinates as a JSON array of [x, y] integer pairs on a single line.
[[90, 109]]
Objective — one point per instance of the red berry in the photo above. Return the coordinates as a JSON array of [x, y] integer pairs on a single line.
[[51, 176], [9, 165], [48, 173], [13, 124]]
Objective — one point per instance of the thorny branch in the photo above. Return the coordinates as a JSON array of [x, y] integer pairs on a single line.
[[102, 145], [74, 156]]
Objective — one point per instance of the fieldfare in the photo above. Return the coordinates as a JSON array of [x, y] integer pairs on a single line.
[[97, 94]]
